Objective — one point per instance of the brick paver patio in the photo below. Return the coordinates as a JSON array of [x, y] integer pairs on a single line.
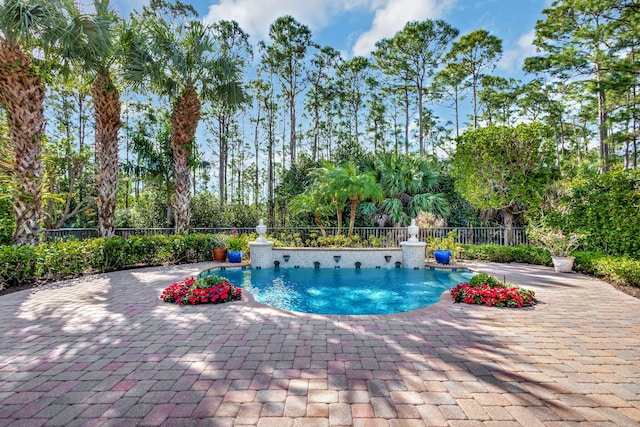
[[102, 350]]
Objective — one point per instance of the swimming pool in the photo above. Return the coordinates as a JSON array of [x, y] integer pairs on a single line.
[[346, 291]]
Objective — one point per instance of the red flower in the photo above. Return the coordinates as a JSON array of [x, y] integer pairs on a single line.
[[493, 296], [211, 289]]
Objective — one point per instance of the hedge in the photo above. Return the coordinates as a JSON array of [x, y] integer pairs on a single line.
[[616, 269], [21, 265], [64, 259]]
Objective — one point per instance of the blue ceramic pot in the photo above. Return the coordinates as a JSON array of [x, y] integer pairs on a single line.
[[234, 256], [442, 256]]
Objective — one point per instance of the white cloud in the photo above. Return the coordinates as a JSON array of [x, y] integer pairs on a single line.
[[392, 15], [513, 59], [255, 16]]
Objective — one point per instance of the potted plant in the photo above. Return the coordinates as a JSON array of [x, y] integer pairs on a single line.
[[559, 244], [445, 249], [236, 244], [219, 243]]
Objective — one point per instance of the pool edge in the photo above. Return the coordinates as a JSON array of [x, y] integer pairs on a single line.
[[248, 299]]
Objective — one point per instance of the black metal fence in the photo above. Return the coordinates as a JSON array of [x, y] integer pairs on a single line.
[[395, 235]]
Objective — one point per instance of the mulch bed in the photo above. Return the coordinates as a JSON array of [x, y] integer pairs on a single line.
[[12, 289], [629, 290]]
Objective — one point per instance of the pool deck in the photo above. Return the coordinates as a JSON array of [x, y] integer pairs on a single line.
[[102, 350]]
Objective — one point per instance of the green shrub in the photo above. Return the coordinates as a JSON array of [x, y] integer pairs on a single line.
[[17, 265], [71, 258], [7, 225], [519, 253], [339, 241], [621, 270], [605, 208], [485, 279], [59, 261], [334, 241]]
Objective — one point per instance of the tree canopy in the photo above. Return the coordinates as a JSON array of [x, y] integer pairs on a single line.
[[505, 167], [426, 118]]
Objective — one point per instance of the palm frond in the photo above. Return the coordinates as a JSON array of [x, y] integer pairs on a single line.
[[19, 20]]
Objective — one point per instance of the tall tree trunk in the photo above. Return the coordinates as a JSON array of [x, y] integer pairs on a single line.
[[352, 216], [457, 111], [375, 136], [223, 159], [292, 122], [316, 131], [602, 120], [475, 101], [22, 94], [256, 144], [186, 115], [355, 116], [106, 100], [270, 174], [320, 225], [508, 226], [406, 119], [420, 121], [82, 124]]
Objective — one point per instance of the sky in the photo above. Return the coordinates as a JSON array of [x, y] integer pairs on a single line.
[[354, 26]]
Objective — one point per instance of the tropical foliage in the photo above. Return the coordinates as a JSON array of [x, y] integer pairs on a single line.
[[408, 183], [182, 138]]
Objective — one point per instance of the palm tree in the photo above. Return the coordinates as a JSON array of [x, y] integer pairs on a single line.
[[324, 180], [311, 202], [26, 24], [345, 183], [93, 45], [53, 27], [356, 187], [178, 63], [407, 182]]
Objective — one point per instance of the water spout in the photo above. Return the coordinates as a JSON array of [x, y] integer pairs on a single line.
[[286, 257], [336, 258]]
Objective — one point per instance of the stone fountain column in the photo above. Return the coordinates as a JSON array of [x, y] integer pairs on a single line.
[[413, 250], [261, 249]]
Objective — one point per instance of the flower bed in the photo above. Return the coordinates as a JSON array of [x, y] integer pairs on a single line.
[[483, 289], [207, 290]]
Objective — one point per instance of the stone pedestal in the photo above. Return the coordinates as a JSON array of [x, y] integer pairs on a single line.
[[413, 254], [261, 254]]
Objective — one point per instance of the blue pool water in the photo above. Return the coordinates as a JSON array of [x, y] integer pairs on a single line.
[[346, 291]]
